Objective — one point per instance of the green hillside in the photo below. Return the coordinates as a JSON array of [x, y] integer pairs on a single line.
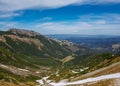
[[26, 55]]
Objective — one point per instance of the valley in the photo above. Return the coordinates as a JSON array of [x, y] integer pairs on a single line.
[[28, 57]]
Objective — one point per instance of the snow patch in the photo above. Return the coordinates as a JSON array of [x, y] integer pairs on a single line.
[[22, 69], [3, 66], [65, 82], [37, 72], [74, 71], [103, 77]]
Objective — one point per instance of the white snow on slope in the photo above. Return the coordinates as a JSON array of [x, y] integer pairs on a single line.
[[103, 77], [41, 81], [22, 69]]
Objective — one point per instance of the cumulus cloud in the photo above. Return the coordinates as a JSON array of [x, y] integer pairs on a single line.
[[15, 5]]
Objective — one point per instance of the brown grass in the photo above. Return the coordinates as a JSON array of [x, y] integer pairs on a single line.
[[114, 69], [109, 67], [3, 83]]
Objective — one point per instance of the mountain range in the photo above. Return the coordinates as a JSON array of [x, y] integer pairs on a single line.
[[26, 56]]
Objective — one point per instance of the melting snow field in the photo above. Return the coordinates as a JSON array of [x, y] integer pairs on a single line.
[[64, 82]]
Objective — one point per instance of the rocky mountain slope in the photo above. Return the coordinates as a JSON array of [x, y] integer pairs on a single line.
[[35, 44], [30, 55]]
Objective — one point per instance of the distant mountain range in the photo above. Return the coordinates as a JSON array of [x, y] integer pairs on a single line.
[[65, 36], [100, 42]]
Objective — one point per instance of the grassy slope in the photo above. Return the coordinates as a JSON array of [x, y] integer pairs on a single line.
[[19, 60], [22, 61], [94, 62], [24, 55], [113, 66], [50, 47], [89, 59]]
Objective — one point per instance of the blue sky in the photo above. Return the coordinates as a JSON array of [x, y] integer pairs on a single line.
[[84, 17]]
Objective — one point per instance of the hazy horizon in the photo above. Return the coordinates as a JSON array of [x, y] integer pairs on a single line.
[[68, 34]]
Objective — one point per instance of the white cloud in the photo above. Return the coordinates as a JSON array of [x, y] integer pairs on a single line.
[[7, 25], [99, 22], [78, 28], [15, 5], [8, 5], [9, 14], [102, 18], [105, 1], [86, 24]]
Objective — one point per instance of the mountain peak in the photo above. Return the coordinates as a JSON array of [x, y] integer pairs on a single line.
[[24, 32]]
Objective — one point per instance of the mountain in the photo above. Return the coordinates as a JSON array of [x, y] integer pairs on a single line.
[[30, 55], [35, 44], [27, 56]]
